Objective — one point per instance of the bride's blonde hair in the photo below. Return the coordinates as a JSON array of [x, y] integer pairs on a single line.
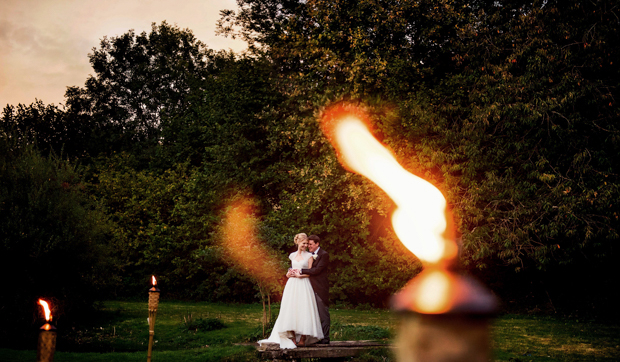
[[300, 237]]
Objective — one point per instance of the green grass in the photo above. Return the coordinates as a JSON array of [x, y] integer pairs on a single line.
[[123, 327], [227, 353], [119, 332], [536, 338]]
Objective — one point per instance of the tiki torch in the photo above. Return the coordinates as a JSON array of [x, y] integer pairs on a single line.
[[446, 314], [444, 317], [47, 336], [153, 303]]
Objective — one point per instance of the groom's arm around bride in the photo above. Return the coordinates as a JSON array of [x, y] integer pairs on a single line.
[[319, 272]]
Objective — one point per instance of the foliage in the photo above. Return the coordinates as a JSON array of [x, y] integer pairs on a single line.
[[38, 125], [138, 79], [315, 195], [508, 108], [528, 139], [53, 240], [163, 226], [51, 130], [167, 204], [224, 129], [355, 47]]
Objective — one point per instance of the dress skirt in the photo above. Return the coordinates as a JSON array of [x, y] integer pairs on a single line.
[[298, 313]]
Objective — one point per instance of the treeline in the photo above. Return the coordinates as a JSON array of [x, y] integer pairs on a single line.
[[509, 108]]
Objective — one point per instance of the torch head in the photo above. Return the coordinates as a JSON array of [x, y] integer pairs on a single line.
[[154, 289], [438, 291]]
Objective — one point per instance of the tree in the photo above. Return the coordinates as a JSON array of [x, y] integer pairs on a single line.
[[509, 108], [52, 241], [49, 129], [351, 47], [527, 135], [227, 122], [161, 226], [139, 79], [471, 112]]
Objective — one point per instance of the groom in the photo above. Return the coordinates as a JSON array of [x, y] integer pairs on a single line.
[[318, 278]]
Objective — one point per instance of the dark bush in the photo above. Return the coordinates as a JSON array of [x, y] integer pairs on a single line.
[[52, 243]]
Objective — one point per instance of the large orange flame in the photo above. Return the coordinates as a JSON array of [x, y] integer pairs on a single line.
[[153, 280], [420, 217], [46, 309]]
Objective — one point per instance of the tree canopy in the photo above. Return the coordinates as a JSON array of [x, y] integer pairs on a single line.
[[509, 108]]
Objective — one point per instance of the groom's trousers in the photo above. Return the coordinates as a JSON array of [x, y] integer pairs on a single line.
[[323, 315]]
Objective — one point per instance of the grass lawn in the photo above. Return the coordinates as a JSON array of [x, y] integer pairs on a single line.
[[120, 333], [535, 338]]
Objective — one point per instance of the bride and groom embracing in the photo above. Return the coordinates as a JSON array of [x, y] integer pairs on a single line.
[[304, 313]]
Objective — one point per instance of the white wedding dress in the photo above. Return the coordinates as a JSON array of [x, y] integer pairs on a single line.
[[298, 310]]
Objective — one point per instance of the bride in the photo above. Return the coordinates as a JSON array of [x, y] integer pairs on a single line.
[[298, 323]]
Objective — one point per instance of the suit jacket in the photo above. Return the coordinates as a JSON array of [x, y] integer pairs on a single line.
[[319, 273]]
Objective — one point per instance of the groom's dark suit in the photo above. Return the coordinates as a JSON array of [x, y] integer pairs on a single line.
[[320, 283]]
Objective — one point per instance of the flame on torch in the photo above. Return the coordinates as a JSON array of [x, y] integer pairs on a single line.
[[420, 217], [154, 281], [46, 309]]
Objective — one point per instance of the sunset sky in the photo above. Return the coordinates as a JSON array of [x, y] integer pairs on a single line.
[[44, 44]]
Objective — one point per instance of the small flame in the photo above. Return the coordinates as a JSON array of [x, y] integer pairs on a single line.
[[46, 309], [420, 217], [154, 281]]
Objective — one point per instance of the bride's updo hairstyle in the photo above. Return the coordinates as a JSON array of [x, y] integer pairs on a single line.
[[299, 238]]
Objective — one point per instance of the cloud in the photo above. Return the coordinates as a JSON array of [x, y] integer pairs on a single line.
[[38, 64], [44, 44]]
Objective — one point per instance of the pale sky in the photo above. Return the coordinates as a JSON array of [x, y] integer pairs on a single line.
[[44, 44]]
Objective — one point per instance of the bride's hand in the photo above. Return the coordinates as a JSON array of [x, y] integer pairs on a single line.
[[292, 273]]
